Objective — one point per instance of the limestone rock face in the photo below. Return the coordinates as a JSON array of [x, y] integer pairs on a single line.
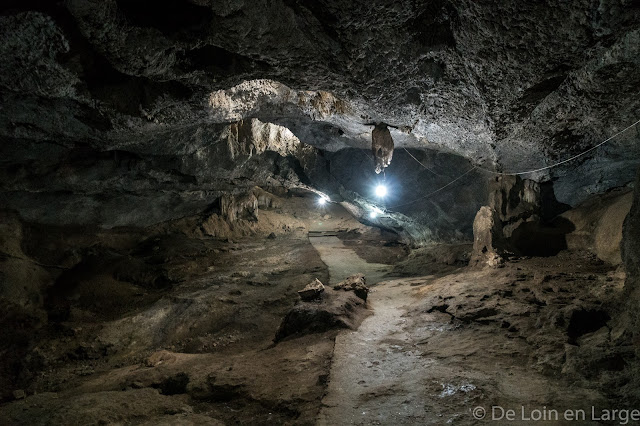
[[629, 315], [515, 200], [245, 207], [489, 244], [630, 248], [597, 224], [381, 146], [118, 113]]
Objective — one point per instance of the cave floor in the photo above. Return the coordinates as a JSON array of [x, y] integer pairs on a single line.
[[412, 363], [342, 260], [440, 346], [439, 340]]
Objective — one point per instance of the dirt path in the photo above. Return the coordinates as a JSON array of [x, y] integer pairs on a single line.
[[342, 261]]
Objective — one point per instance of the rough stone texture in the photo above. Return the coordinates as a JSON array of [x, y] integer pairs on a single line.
[[313, 290], [630, 249], [336, 309], [489, 244], [597, 223], [514, 205], [381, 146], [415, 206], [515, 200], [121, 113], [355, 283]]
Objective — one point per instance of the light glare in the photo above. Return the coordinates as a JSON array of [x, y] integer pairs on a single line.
[[381, 190], [375, 212], [322, 201]]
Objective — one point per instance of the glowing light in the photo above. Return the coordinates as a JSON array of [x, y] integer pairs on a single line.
[[375, 212], [322, 201], [381, 190]]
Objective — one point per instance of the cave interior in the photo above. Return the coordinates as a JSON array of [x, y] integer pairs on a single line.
[[319, 212]]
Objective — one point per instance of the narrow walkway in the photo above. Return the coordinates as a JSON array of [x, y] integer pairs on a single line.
[[375, 373], [343, 261]]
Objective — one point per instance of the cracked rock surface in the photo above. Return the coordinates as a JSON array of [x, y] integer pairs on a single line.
[[159, 88]]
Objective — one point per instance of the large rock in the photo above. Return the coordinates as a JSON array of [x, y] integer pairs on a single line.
[[489, 244], [313, 290], [596, 224], [630, 249], [515, 201], [336, 309], [628, 318], [355, 283]]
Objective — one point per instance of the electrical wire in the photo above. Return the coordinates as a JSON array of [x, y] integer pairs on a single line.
[[563, 161], [517, 173], [437, 190], [418, 161]]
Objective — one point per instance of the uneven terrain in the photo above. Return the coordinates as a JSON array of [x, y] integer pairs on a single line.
[[187, 337]]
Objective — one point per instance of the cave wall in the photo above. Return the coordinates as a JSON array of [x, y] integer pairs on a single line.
[[509, 86], [630, 249], [157, 179], [413, 197]]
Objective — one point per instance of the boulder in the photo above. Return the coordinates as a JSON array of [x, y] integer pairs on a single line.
[[336, 309], [355, 283], [489, 244], [630, 248], [312, 291]]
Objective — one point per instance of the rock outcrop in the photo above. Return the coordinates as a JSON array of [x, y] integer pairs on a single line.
[[312, 291], [129, 114], [515, 200], [514, 203], [596, 224], [630, 248], [334, 309], [355, 283], [489, 243]]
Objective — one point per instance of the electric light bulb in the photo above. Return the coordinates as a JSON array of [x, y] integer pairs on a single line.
[[381, 190]]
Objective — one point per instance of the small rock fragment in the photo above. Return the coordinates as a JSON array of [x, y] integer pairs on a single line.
[[19, 394], [355, 283], [313, 290]]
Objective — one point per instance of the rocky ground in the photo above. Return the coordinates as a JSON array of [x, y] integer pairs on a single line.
[[179, 328], [439, 346], [177, 323], [160, 168]]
